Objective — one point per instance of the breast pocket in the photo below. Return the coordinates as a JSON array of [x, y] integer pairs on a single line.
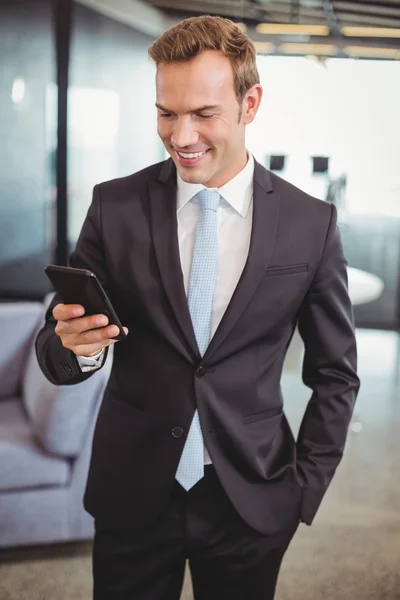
[[286, 270], [281, 291]]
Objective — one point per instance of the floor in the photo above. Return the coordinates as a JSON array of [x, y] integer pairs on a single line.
[[352, 551]]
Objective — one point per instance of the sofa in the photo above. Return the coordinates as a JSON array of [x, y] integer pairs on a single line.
[[45, 438]]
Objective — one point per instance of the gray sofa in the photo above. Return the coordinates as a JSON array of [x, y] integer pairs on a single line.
[[45, 438]]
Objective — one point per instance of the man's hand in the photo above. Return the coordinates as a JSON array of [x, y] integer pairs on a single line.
[[85, 336]]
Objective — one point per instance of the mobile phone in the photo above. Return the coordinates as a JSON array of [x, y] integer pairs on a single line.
[[81, 286]]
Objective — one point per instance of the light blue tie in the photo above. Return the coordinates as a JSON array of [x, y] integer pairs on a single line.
[[203, 276]]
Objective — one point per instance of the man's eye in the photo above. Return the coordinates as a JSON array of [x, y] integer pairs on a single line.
[[165, 115], [203, 116]]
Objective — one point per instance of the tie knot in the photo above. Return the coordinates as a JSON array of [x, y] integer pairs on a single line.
[[208, 199]]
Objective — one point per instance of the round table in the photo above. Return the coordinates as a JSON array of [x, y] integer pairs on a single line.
[[363, 286]]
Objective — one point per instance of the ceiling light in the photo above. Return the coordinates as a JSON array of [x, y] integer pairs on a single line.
[[264, 47], [370, 52], [242, 27], [292, 28], [379, 32], [316, 49]]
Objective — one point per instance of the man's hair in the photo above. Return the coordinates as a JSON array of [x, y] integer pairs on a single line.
[[189, 38]]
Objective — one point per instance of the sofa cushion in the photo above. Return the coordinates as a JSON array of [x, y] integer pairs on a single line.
[[18, 325], [60, 415], [23, 463]]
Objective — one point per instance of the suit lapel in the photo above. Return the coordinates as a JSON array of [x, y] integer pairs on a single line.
[[165, 239], [266, 204]]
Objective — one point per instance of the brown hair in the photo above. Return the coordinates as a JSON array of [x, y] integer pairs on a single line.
[[191, 37]]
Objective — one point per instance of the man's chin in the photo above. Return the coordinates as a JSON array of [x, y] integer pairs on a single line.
[[191, 174]]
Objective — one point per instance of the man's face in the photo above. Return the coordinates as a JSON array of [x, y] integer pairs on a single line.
[[199, 119]]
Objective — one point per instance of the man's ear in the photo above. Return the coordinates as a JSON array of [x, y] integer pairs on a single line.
[[251, 103]]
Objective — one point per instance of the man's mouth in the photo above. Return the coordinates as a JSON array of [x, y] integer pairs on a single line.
[[189, 159], [191, 154]]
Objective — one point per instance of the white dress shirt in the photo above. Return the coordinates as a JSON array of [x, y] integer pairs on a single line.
[[235, 217]]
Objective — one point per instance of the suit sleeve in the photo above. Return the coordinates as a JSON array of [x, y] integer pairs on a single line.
[[326, 325], [59, 364]]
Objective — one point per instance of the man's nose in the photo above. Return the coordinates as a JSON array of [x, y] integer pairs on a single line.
[[184, 134]]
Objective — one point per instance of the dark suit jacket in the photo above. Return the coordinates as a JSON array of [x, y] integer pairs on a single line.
[[295, 274]]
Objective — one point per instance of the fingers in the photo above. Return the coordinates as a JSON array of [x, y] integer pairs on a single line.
[[84, 335], [91, 342], [81, 324], [69, 321], [65, 312], [91, 336], [73, 336], [70, 316]]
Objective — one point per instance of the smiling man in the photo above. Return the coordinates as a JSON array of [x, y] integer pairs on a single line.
[[211, 261], [203, 113]]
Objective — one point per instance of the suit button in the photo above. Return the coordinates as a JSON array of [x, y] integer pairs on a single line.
[[201, 371], [177, 432]]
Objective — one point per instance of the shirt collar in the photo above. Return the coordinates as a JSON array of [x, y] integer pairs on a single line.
[[238, 192]]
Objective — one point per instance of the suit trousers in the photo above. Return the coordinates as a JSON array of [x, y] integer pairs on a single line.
[[227, 558]]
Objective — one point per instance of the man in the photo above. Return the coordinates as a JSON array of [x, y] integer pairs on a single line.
[[210, 261]]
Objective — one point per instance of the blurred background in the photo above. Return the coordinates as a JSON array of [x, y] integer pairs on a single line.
[[76, 108]]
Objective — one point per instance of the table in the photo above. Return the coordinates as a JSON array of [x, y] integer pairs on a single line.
[[363, 286]]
